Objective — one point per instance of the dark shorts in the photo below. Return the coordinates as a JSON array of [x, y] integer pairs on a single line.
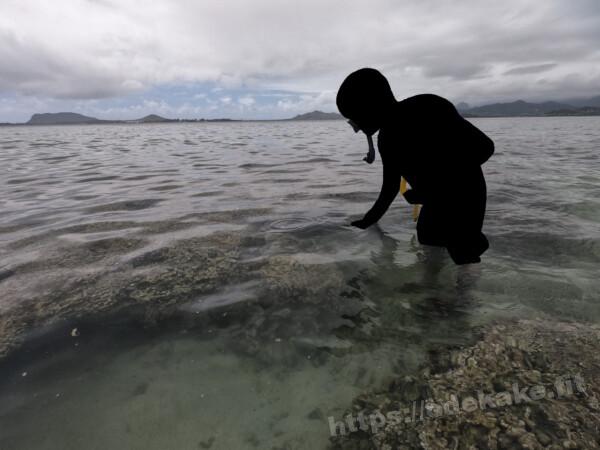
[[454, 218]]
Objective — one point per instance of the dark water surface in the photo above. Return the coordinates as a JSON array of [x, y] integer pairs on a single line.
[[194, 286]]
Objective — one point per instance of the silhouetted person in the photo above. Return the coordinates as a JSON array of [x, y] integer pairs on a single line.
[[425, 140]]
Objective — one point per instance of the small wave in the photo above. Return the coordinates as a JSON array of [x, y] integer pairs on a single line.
[[313, 160], [106, 178], [322, 186], [256, 165], [164, 171], [127, 205], [139, 177], [207, 194], [357, 196], [168, 187], [83, 197], [286, 170], [55, 159], [47, 143], [20, 180], [5, 273], [288, 180], [290, 224]]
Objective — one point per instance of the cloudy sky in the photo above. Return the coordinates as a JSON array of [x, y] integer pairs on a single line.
[[276, 58]]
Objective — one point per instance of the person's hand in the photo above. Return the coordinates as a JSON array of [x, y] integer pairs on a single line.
[[371, 154], [362, 224]]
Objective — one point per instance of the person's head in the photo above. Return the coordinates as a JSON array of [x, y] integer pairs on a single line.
[[364, 98]]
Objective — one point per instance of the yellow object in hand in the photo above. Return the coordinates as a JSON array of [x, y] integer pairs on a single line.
[[402, 185], [416, 211], [416, 208]]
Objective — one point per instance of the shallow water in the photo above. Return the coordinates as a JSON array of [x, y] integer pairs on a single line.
[[197, 286]]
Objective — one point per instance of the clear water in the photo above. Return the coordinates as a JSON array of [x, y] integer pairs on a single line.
[[195, 286]]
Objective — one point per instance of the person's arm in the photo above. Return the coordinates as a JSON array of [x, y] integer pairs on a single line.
[[389, 190]]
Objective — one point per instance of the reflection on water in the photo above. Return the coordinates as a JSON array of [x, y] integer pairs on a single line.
[[221, 299]]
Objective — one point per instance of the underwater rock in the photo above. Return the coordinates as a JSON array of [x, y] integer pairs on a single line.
[[289, 279], [83, 279], [188, 268], [532, 384]]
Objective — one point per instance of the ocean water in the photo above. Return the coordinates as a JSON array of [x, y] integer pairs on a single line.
[[195, 286]]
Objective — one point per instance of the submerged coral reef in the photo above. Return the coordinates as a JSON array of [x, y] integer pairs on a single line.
[[526, 384]]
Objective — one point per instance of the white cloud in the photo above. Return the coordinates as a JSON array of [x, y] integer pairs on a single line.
[[323, 100], [246, 101], [132, 85], [469, 50]]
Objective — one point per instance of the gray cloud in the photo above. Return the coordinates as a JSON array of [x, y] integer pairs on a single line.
[[523, 70], [471, 50]]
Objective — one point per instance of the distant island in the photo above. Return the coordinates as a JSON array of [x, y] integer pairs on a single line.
[[318, 115], [585, 111], [519, 108], [60, 118], [152, 118], [70, 118]]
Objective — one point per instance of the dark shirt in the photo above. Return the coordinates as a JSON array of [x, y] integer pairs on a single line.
[[429, 143]]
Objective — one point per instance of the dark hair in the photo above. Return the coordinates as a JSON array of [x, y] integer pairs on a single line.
[[362, 91]]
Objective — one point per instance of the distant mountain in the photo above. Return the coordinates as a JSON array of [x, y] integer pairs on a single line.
[[153, 118], [62, 118], [585, 111], [318, 115], [67, 118], [518, 108], [582, 102]]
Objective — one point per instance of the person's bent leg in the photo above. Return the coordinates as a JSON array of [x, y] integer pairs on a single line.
[[431, 226], [466, 242], [467, 248]]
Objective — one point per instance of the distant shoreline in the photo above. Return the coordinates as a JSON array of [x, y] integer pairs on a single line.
[[582, 107], [181, 121], [498, 110], [174, 121]]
